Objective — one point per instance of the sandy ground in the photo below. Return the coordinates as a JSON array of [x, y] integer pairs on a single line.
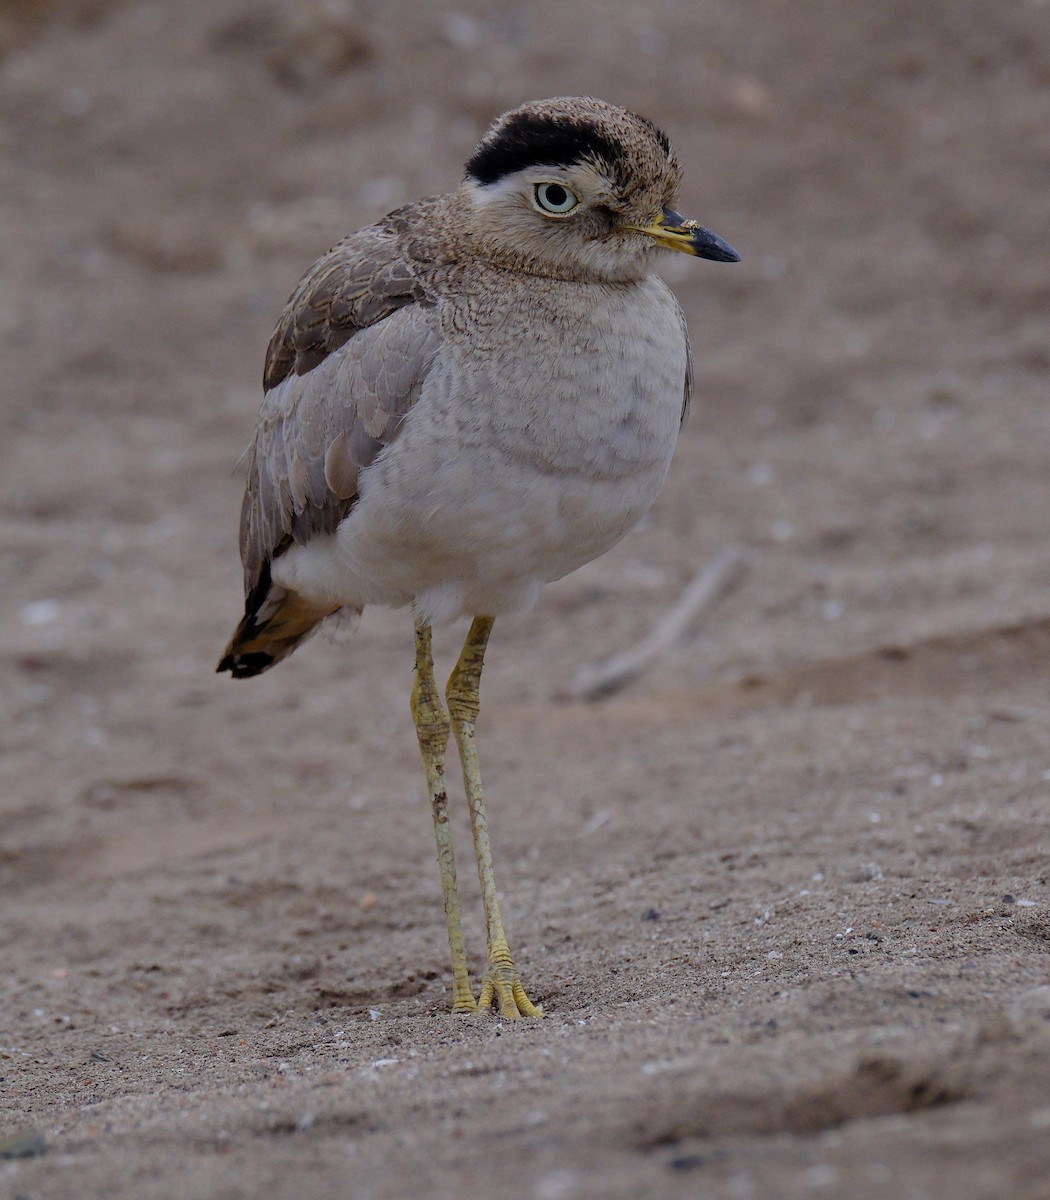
[[785, 897]]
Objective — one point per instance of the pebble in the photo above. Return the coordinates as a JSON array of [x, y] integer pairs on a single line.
[[23, 1143], [1032, 1004]]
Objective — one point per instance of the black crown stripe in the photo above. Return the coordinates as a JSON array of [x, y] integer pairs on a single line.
[[532, 139], [658, 133]]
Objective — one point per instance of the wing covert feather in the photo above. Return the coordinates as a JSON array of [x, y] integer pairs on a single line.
[[346, 363]]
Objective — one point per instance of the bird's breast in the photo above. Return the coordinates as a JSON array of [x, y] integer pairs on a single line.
[[542, 434], [576, 380]]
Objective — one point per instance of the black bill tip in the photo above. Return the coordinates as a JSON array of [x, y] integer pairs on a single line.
[[706, 244]]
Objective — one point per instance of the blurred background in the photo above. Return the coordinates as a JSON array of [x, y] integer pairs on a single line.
[[870, 420], [870, 426], [871, 417]]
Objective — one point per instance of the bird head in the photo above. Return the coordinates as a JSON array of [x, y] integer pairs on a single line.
[[576, 188]]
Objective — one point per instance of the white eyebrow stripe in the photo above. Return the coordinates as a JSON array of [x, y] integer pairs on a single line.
[[490, 193]]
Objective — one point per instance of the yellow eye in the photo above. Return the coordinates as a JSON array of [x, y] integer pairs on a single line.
[[555, 198]]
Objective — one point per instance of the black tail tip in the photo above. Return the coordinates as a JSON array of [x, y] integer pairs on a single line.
[[244, 666]]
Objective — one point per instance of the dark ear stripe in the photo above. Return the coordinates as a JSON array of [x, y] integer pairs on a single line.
[[529, 139]]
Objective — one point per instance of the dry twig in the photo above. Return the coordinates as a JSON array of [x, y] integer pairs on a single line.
[[708, 585]]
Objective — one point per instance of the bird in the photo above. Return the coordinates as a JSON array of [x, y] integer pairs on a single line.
[[470, 398]]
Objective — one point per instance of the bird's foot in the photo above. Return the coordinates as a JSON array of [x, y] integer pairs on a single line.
[[501, 986], [463, 1002]]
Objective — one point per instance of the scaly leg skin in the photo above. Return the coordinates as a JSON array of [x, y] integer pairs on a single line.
[[500, 983], [432, 730]]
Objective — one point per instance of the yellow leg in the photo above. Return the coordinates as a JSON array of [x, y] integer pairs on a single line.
[[432, 729], [500, 981]]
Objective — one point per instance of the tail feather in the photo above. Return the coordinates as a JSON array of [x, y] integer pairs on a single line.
[[275, 621]]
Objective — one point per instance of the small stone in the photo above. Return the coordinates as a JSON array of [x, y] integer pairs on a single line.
[[750, 98], [685, 1162], [1031, 1005], [23, 1143], [41, 612]]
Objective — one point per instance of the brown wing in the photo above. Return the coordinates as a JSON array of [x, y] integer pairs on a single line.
[[346, 362]]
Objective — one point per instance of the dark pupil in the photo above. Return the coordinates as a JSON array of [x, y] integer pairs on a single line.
[[555, 195]]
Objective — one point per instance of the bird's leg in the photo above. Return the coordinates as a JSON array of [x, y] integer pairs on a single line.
[[432, 729], [500, 981]]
